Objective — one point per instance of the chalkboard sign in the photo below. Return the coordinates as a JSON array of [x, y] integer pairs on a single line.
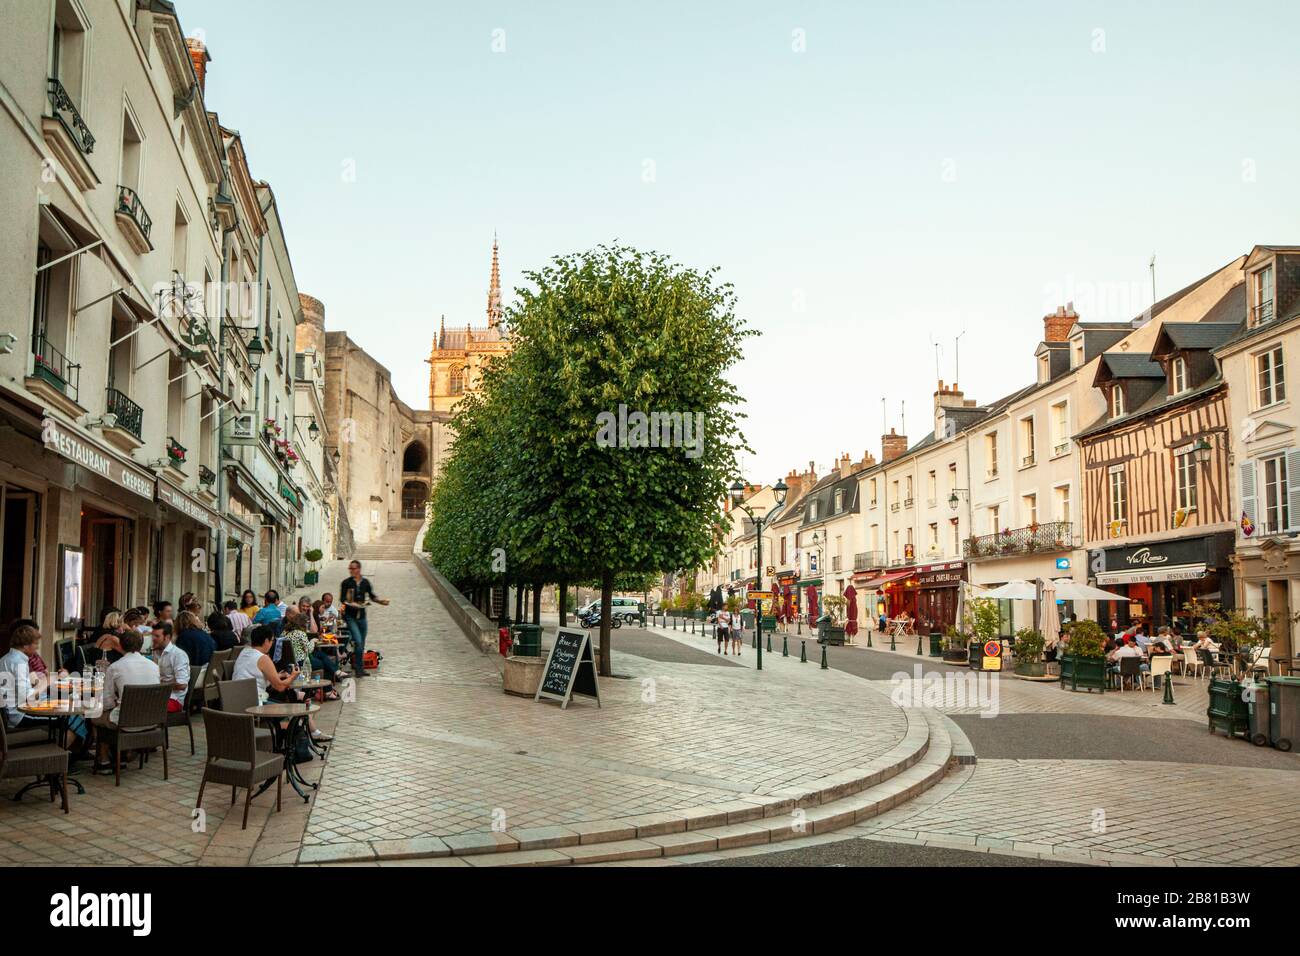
[[570, 668]]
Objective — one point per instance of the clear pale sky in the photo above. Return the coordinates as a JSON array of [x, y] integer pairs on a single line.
[[915, 170]]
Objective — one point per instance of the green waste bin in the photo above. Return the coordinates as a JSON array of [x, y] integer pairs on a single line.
[[936, 644], [1227, 710], [528, 640], [1257, 706], [1283, 711]]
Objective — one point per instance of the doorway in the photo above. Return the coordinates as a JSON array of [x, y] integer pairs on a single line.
[[106, 541], [19, 540], [414, 496]]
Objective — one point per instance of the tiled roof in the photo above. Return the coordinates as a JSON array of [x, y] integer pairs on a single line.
[[1198, 335], [1123, 365]]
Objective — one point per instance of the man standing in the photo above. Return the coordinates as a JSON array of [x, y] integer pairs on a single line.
[[354, 594]]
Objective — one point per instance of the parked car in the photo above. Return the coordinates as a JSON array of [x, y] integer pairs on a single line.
[[625, 609]]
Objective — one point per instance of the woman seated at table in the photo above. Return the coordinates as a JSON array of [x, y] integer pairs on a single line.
[[303, 648], [222, 631], [23, 643], [196, 642], [254, 663], [1203, 643], [109, 632]]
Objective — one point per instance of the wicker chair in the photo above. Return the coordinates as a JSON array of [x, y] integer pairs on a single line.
[[234, 759], [193, 694], [228, 668], [216, 673], [239, 695], [34, 760], [141, 724]]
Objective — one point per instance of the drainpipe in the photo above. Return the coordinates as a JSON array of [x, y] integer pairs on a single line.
[[220, 537]]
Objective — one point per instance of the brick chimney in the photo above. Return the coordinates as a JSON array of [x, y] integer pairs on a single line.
[[200, 58], [1057, 325], [892, 446]]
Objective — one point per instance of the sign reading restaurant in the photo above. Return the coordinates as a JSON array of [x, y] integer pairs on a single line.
[[77, 450]]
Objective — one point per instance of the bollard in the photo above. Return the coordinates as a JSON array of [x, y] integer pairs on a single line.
[[918, 643], [1169, 687], [769, 642], [785, 645], [825, 666], [869, 644], [803, 652], [891, 641]]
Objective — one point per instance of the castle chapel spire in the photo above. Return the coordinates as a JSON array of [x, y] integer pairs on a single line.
[[494, 289]]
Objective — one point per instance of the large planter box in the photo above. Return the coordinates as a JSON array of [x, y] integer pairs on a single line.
[[832, 635], [936, 645], [1228, 711], [1088, 673], [956, 655], [769, 622], [310, 577], [1031, 668]]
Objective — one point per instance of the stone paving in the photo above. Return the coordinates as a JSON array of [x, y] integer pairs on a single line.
[[433, 748]]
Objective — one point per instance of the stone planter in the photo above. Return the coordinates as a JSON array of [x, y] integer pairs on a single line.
[[1031, 669], [523, 675], [956, 655], [1086, 672]]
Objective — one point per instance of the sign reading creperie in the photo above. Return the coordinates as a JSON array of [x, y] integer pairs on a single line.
[[74, 448]]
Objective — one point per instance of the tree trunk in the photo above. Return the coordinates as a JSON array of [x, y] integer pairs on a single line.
[[606, 602], [519, 602], [537, 603], [563, 602]]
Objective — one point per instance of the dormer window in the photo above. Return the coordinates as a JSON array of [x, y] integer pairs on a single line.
[[839, 501], [1076, 354], [1116, 401], [812, 511], [1044, 369], [1261, 296], [1178, 376]]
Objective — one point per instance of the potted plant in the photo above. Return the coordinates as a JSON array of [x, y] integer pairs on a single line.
[[313, 556], [955, 643], [832, 632], [984, 623], [1029, 653], [1084, 662], [175, 453], [1244, 636]]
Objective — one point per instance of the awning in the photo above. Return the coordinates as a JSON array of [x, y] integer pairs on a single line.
[[1178, 572], [876, 583]]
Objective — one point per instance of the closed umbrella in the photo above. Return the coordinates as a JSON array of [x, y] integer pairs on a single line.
[[1049, 624], [851, 625], [812, 605], [789, 605]]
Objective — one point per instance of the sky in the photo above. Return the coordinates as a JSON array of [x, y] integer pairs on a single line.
[[875, 179]]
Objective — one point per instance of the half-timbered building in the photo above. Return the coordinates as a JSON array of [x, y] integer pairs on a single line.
[[1158, 510]]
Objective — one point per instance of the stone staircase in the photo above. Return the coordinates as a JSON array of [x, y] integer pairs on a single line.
[[395, 545], [932, 746]]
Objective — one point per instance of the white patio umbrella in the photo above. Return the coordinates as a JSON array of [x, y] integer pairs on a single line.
[[1067, 590], [1013, 591], [1049, 623]]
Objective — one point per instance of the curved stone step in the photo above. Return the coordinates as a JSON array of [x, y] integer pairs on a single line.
[[915, 764]]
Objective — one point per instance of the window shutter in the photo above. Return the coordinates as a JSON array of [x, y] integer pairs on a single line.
[[1248, 491], [1293, 488]]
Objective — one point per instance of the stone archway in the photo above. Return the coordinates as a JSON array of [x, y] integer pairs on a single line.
[[415, 495], [415, 459]]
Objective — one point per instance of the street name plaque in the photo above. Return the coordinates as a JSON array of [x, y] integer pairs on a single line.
[[570, 669]]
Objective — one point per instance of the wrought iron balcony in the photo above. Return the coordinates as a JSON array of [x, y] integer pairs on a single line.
[[1050, 536], [53, 366], [130, 206], [66, 113], [894, 506], [1259, 314], [866, 560], [130, 416], [907, 502], [207, 477], [1062, 448], [1027, 461]]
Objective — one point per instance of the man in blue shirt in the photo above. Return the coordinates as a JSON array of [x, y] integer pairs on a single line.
[[354, 594], [270, 613]]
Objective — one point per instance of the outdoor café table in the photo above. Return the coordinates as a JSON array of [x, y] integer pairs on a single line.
[[284, 739], [58, 712]]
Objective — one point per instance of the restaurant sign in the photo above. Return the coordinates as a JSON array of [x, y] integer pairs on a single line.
[[1158, 554], [941, 575], [180, 501], [58, 437]]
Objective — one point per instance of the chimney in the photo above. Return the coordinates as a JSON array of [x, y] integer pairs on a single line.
[[892, 446], [845, 463], [200, 58], [1057, 325], [948, 397]]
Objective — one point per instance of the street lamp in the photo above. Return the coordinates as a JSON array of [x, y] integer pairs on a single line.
[[1203, 450], [255, 353], [313, 430], [953, 499], [779, 490]]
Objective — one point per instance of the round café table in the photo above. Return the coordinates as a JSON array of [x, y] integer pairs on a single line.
[[58, 712], [315, 686], [284, 739]]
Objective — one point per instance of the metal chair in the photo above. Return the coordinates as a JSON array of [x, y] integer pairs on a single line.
[[141, 724], [1190, 660], [216, 673], [228, 668], [1211, 662], [234, 758], [35, 760], [1130, 669], [236, 697]]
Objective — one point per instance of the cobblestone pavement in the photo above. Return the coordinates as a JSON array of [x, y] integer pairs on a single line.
[[432, 747]]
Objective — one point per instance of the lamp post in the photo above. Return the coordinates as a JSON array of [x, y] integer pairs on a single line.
[[738, 499], [817, 543]]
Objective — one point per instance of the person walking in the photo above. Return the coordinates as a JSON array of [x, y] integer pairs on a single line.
[[355, 594], [723, 625]]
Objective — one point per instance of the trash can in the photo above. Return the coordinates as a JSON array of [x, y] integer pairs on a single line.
[[1283, 711], [1257, 706], [528, 640], [1227, 710], [936, 644]]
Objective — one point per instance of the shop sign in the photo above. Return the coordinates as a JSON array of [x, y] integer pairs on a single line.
[[1062, 564], [1157, 554], [287, 492], [941, 575], [57, 437], [178, 500]]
